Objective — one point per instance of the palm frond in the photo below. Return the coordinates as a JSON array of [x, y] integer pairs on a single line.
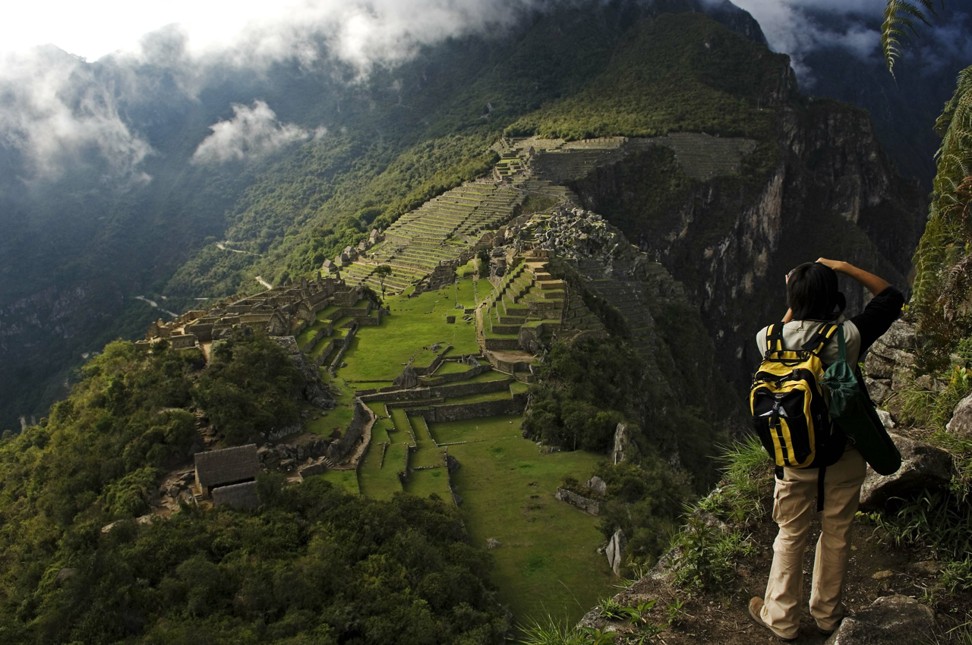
[[900, 18]]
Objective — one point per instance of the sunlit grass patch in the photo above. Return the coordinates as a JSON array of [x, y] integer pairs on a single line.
[[485, 429], [344, 479], [546, 560], [379, 477], [434, 481], [452, 367]]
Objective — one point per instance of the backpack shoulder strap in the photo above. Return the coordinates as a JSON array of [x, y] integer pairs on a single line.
[[774, 339], [823, 334]]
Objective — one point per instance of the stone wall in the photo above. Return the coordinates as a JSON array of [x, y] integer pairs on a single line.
[[585, 504], [436, 392], [336, 363], [462, 376], [463, 411], [242, 496], [341, 449]]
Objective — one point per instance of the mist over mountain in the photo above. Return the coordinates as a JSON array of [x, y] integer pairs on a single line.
[[835, 51]]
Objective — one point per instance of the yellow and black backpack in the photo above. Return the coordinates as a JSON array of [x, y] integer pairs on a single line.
[[789, 410]]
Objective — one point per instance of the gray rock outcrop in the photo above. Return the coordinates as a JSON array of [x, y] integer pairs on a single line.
[[615, 551], [598, 485], [890, 360], [890, 620], [586, 504], [922, 466], [960, 424], [408, 378]]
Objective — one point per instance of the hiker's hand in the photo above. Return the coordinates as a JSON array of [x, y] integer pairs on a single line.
[[836, 265]]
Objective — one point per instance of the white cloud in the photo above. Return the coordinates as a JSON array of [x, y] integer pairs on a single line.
[[789, 28], [362, 31], [252, 132], [54, 107], [55, 114]]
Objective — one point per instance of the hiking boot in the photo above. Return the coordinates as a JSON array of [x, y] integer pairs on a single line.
[[755, 609]]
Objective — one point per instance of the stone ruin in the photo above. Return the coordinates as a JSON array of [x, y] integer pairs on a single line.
[[228, 476], [281, 311]]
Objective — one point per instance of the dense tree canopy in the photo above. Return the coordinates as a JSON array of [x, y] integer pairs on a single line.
[[313, 565]]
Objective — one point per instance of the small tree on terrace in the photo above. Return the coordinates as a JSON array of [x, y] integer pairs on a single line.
[[383, 272]]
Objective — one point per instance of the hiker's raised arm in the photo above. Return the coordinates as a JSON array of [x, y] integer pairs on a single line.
[[874, 284]]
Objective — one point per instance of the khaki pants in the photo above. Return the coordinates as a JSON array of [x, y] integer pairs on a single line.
[[794, 503]]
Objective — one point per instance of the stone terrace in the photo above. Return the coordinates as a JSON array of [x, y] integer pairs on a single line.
[[444, 229], [524, 310], [702, 156]]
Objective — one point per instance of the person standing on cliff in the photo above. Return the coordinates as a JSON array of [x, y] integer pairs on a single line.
[[813, 296]]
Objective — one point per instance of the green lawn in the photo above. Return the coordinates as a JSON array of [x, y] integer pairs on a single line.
[[427, 482], [343, 479], [480, 398], [488, 377], [427, 454], [470, 429], [546, 561], [340, 417], [414, 325], [519, 387], [452, 367], [306, 336], [381, 481]]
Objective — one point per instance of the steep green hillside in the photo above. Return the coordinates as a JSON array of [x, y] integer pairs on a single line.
[[315, 564]]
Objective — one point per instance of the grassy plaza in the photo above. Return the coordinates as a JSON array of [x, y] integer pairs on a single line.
[[544, 550]]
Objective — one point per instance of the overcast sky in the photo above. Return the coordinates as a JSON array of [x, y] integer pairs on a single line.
[[55, 108], [98, 27]]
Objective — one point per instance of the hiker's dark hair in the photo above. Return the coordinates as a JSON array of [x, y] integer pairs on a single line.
[[812, 292]]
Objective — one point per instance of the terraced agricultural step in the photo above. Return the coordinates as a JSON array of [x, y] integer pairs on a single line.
[[512, 320], [513, 310], [502, 344]]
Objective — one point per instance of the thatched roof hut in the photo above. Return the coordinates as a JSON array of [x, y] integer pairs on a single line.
[[226, 467]]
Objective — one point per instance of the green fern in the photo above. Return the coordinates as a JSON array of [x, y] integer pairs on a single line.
[[942, 298], [900, 17]]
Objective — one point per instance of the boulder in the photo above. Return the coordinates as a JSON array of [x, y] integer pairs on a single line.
[[615, 551], [889, 361], [620, 443], [312, 469], [889, 620], [960, 424], [408, 378], [922, 466], [597, 485], [586, 504]]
